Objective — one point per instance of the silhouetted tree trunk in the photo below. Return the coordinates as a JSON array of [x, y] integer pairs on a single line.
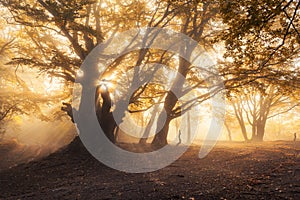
[[228, 131], [239, 115], [260, 131], [254, 128], [104, 113], [160, 138], [146, 134], [193, 25]]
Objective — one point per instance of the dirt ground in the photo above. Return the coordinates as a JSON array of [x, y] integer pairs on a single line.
[[269, 170]]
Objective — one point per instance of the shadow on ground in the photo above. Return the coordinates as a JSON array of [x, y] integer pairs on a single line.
[[231, 171]]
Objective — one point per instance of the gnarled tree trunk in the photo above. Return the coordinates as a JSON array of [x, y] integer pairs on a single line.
[[104, 113], [160, 138]]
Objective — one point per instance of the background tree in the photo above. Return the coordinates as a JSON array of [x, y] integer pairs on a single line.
[[262, 49], [255, 106]]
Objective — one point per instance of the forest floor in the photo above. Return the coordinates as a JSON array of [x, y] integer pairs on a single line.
[[269, 170]]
